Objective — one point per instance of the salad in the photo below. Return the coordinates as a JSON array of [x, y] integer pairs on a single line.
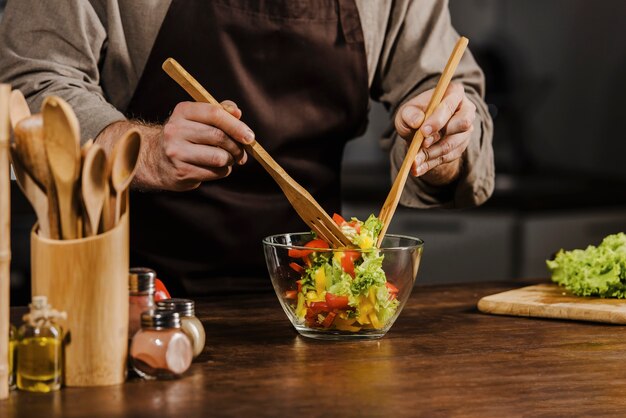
[[343, 290]]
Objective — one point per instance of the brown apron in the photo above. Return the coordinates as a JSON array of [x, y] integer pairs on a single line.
[[297, 69]]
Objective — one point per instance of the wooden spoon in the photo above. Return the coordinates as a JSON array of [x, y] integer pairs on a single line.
[[123, 164], [18, 108], [29, 144], [93, 182], [33, 193], [391, 203], [63, 151]]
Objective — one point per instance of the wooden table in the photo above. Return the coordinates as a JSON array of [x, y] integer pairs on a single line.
[[442, 358]]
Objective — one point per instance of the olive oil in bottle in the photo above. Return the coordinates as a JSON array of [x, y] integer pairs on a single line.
[[12, 344], [39, 349]]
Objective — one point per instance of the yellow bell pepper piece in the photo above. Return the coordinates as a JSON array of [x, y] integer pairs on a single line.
[[365, 307], [300, 307], [374, 320], [346, 325], [372, 296], [320, 280], [366, 243], [338, 256]]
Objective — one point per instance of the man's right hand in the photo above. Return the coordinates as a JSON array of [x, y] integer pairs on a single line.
[[200, 142]]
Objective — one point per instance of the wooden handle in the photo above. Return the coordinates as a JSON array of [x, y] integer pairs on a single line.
[[302, 201], [391, 203], [199, 93], [5, 239]]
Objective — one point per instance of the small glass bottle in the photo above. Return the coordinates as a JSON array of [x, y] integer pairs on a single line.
[[160, 349], [39, 348], [140, 296], [12, 344], [190, 324]]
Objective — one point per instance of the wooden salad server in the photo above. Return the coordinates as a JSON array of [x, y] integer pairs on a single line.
[[304, 204], [391, 203]]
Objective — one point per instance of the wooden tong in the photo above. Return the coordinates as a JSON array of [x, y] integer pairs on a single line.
[[301, 200], [391, 203]]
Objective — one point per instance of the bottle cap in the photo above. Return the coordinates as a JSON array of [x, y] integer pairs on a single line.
[[185, 307], [160, 318], [141, 280], [39, 303]]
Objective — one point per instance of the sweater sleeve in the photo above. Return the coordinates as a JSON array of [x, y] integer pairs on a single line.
[[54, 48], [418, 41]]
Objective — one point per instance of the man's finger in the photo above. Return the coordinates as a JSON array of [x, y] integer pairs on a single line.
[[448, 149], [232, 108], [215, 116], [408, 119], [463, 120], [442, 114]]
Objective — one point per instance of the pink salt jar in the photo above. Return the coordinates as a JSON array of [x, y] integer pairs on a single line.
[[160, 349], [140, 296]]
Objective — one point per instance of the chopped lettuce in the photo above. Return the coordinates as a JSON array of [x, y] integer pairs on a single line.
[[356, 276], [595, 271]]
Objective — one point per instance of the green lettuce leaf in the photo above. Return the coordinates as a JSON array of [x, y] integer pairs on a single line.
[[595, 271]]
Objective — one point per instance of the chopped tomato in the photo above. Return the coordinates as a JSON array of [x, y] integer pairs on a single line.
[[336, 302], [297, 253], [328, 321], [338, 219], [160, 292], [318, 307], [291, 294], [316, 243], [347, 261], [299, 282], [392, 289], [297, 268]]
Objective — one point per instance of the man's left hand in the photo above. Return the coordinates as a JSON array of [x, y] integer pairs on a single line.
[[447, 133]]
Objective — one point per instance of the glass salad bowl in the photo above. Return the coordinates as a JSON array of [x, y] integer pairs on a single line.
[[338, 294]]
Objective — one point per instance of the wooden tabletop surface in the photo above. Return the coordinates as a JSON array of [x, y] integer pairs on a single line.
[[441, 358]]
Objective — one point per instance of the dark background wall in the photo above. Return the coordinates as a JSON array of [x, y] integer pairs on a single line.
[[555, 77]]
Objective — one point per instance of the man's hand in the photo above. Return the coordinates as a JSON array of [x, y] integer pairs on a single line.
[[447, 133], [200, 142]]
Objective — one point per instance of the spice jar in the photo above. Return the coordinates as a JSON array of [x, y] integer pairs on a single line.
[[190, 324], [140, 296], [160, 349]]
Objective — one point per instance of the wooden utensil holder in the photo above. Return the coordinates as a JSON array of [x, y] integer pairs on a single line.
[[88, 279]]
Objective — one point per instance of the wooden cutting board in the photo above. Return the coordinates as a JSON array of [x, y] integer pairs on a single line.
[[552, 301]]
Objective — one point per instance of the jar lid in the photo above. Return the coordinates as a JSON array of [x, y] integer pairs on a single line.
[[141, 280], [160, 318], [185, 307]]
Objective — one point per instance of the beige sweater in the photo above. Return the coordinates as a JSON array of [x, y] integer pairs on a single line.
[[93, 52]]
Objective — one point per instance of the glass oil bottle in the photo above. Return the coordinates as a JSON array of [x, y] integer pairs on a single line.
[[12, 344], [40, 349]]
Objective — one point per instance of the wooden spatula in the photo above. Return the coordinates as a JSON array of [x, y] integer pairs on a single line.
[[301, 200], [391, 203], [63, 151]]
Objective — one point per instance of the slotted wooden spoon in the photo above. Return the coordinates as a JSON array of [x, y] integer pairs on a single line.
[[391, 203], [304, 204]]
